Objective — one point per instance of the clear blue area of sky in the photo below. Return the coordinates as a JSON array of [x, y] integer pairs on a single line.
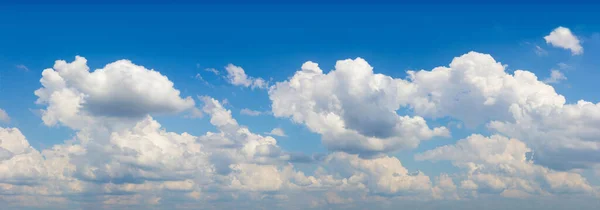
[[272, 41]]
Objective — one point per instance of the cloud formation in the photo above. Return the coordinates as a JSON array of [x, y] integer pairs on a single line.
[[237, 76], [497, 164], [563, 38], [75, 96], [276, 132], [353, 108], [125, 158]]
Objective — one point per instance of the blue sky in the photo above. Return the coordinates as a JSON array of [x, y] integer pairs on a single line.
[[272, 42]]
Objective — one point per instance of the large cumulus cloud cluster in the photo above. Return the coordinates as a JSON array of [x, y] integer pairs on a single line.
[[121, 157]]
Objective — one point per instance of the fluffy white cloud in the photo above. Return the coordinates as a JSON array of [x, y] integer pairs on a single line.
[[276, 132], [354, 109], [555, 77], [477, 90], [384, 175], [142, 164], [237, 76], [19, 162], [497, 164], [4, 116], [120, 89], [563, 37], [118, 159]]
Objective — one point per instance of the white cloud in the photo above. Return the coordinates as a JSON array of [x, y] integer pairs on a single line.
[[474, 89], [250, 112], [477, 90], [4, 116], [352, 108], [120, 89], [555, 77], [499, 164], [383, 175], [237, 76], [563, 38], [120, 160], [20, 163], [276, 132]]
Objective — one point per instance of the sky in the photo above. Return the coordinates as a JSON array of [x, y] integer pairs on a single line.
[[299, 106]]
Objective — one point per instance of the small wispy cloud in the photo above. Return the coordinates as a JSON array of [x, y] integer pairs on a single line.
[[22, 67], [250, 112], [213, 70], [276, 132], [564, 66], [540, 51], [201, 79], [555, 77]]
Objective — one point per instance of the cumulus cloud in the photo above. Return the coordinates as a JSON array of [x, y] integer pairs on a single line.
[[353, 108], [380, 176], [276, 132], [477, 90], [120, 89], [501, 165], [555, 77], [474, 89], [237, 76], [141, 164], [117, 160], [4, 118], [20, 163], [563, 38]]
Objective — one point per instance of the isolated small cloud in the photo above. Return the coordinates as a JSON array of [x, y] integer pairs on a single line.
[[563, 38], [250, 112], [555, 77], [4, 116], [564, 66], [237, 76], [540, 51], [22, 67], [213, 70], [276, 132], [199, 77]]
